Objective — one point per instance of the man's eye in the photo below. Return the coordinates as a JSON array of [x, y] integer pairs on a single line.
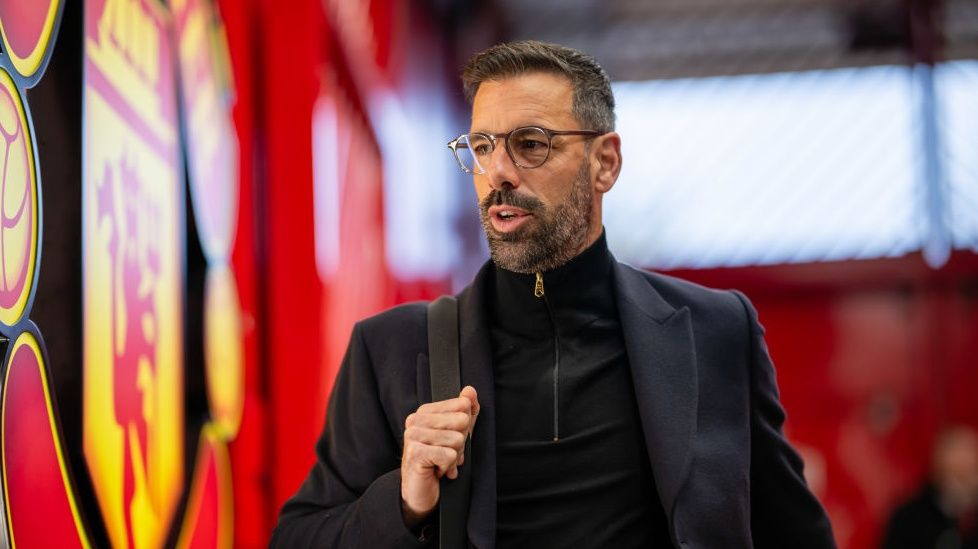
[[531, 145], [482, 149]]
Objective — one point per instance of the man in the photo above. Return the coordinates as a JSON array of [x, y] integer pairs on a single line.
[[944, 513], [607, 407]]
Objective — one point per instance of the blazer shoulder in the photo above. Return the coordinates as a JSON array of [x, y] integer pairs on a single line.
[[397, 317], [681, 293], [396, 330]]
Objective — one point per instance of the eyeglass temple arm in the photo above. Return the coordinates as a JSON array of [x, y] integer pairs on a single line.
[[576, 132]]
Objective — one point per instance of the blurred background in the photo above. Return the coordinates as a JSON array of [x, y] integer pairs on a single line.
[[269, 172]]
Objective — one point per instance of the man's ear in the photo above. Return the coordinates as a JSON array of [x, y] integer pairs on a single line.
[[606, 154]]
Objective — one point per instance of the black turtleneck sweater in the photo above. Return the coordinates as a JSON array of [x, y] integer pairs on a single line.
[[572, 466]]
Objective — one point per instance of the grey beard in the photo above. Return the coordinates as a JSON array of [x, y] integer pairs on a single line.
[[556, 236]]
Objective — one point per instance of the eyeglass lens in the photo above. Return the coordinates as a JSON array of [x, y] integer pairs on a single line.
[[470, 149]]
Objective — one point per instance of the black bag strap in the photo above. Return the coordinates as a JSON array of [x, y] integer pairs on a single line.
[[446, 382]]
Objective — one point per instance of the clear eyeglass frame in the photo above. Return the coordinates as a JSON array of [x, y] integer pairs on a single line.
[[529, 134]]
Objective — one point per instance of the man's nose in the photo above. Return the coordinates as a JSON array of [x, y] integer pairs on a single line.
[[501, 170]]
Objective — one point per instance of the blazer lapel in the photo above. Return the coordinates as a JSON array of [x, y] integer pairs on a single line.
[[659, 343], [476, 366]]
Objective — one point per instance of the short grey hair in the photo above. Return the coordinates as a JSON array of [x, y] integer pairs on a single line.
[[594, 102]]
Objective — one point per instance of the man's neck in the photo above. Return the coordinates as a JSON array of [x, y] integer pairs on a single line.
[[583, 283]]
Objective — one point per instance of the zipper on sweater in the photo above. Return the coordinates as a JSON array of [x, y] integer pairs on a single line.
[[538, 292]]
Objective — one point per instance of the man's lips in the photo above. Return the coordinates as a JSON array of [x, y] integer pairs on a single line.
[[506, 218]]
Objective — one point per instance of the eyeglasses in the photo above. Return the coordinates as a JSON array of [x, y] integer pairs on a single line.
[[528, 147]]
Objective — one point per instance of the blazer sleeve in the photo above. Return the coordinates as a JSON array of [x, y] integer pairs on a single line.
[[352, 496], [784, 512]]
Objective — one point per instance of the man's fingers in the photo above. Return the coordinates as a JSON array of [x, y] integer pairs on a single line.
[[443, 460], [456, 421], [420, 457], [435, 437]]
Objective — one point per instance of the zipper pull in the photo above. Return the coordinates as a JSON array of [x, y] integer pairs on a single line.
[[538, 287]]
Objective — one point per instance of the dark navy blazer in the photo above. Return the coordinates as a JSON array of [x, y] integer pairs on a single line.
[[706, 393]]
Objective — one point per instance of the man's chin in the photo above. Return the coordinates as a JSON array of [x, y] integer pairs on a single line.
[[511, 237], [514, 253]]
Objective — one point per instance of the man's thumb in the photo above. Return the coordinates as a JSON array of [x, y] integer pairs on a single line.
[[469, 392]]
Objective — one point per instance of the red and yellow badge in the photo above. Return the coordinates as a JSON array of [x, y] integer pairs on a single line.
[[18, 205], [35, 476], [27, 28], [133, 396]]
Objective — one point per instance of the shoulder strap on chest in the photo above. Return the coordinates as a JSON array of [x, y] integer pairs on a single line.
[[446, 383]]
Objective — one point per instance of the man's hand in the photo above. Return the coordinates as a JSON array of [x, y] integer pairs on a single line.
[[434, 443]]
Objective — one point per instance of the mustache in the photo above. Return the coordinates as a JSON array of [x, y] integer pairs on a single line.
[[509, 197]]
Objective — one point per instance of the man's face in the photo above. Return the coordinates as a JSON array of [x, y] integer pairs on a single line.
[[540, 218]]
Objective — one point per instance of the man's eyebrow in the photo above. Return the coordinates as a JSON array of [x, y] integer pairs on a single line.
[[522, 125]]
